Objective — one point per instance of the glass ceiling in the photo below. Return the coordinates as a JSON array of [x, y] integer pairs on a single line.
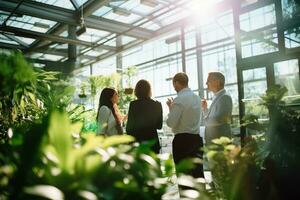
[[33, 25]]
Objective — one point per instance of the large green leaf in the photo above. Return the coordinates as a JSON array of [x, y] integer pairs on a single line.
[[60, 137]]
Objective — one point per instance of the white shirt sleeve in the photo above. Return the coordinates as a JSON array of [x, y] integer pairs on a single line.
[[174, 115]]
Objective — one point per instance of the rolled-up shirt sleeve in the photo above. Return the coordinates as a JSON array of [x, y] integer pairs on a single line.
[[174, 115]]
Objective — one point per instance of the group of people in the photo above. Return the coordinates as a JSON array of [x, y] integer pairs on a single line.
[[145, 117]]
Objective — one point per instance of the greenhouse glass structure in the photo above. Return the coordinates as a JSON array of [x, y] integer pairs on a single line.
[[254, 43]]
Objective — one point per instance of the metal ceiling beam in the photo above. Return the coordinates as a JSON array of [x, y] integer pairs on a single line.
[[61, 52], [219, 8], [60, 28], [11, 46], [62, 15], [91, 6], [48, 63], [57, 30], [75, 4], [44, 36], [117, 27], [119, 50], [12, 37], [139, 13], [138, 24], [11, 13]]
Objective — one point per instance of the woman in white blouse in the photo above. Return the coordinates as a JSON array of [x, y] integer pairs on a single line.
[[109, 118]]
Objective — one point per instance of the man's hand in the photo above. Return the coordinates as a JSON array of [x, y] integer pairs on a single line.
[[170, 102], [203, 104]]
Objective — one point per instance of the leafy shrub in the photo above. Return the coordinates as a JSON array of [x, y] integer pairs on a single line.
[[56, 158]]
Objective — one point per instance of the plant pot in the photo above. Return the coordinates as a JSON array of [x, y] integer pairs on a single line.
[[128, 91]]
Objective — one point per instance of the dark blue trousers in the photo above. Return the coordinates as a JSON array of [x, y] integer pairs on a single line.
[[186, 145]]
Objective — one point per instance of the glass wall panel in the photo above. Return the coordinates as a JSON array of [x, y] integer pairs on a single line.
[[159, 74], [190, 37], [232, 89], [220, 28], [191, 70], [255, 85], [105, 67], [258, 31], [287, 74], [258, 18], [152, 50], [259, 43], [220, 59], [292, 37]]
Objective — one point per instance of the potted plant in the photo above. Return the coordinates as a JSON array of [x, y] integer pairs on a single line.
[[82, 91], [129, 73], [280, 173]]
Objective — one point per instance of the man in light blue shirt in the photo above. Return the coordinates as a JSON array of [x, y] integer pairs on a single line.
[[184, 119], [217, 117]]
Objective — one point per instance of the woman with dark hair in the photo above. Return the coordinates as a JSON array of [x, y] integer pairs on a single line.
[[144, 116], [109, 118]]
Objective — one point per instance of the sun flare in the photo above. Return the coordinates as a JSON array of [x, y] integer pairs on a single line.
[[202, 10]]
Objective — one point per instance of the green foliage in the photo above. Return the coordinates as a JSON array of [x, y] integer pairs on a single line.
[[252, 124], [128, 74], [59, 95], [18, 83], [274, 95], [27, 93], [124, 100], [271, 153], [232, 168], [78, 113], [58, 159], [100, 82], [283, 135]]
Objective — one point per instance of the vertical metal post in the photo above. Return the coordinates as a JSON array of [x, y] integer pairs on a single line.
[[299, 67], [270, 75], [279, 25], [119, 57], [72, 50], [182, 39], [199, 62], [236, 6], [91, 69]]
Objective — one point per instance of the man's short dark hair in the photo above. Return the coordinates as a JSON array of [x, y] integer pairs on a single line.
[[142, 89], [218, 76], [181, 78]]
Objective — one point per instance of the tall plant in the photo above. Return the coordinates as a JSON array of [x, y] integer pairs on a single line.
[[19, 85], [28, 93]]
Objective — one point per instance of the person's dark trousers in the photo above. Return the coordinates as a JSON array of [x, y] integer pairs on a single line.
[[186, 145]]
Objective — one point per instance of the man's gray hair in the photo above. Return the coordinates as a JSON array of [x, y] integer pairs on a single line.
[[218, 76]]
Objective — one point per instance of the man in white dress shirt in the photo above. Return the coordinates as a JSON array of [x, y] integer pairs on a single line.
[[184, 119], [217, 118]]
